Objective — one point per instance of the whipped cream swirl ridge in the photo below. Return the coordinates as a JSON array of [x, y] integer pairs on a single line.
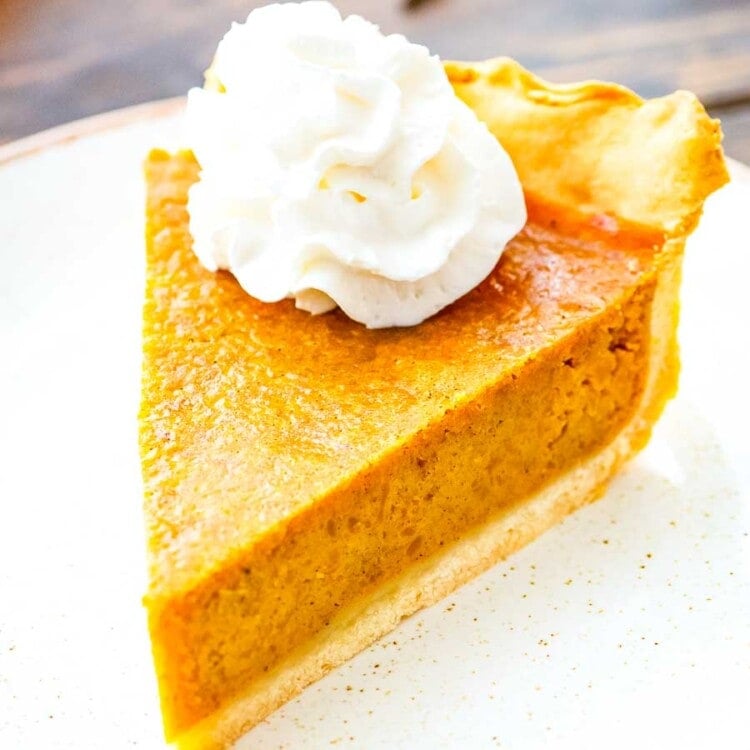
[[338, 167]]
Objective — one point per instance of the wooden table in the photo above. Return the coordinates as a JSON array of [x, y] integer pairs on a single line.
[[65, 59]]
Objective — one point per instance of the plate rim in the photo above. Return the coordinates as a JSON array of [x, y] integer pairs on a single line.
[[74, 130]]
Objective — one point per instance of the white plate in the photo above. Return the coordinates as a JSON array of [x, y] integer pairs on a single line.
[[627, 626]]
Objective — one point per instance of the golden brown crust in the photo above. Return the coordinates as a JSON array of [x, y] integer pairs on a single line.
[[598, 146]]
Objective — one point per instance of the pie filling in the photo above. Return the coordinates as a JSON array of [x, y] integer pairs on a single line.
[[270, 447]]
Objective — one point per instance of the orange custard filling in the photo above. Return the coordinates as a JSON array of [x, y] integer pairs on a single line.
[[294, 464]]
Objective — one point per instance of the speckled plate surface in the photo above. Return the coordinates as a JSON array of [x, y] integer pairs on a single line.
[[626, 626]]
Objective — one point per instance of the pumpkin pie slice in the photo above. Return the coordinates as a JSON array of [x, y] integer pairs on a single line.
[[309, 482]]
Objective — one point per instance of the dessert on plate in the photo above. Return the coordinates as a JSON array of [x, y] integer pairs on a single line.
[[338, 432]]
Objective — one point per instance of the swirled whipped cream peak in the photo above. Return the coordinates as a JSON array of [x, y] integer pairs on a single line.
[[338, 168]]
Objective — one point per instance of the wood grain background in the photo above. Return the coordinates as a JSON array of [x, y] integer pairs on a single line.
[[65, 59]]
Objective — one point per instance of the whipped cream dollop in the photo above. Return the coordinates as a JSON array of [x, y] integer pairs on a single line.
[[338, 167]]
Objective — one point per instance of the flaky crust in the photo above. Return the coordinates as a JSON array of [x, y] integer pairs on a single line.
[[597, 146]]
